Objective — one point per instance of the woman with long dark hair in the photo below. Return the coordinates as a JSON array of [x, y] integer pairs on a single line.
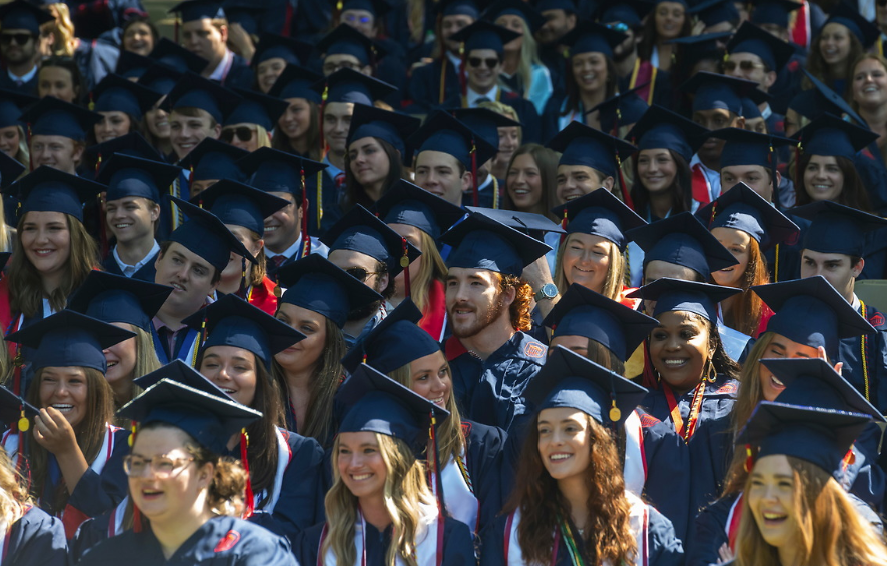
[[669, 21], [845, 36], [298, 130], [122, 105]]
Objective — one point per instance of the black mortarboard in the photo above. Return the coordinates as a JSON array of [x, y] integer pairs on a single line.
[[837, 229], [23, 15], [773, 12], [545, 5], [348, 85], [519, 8], [50, 190], [176, 57], [239, 204], [441, 132], [696, 48], [458, 7], [623, 109], [128, 176], [231, 321], [54, 117], [682, 240], [405, 203], [345, 40], [11, 105], [659, 128], [181, 373], [192, 10], [207, 236], [160, 78], [214, 159], [378, 8], [714, 91], [293, 51], [745, 147], [116, 93], [529, 223], [209, 419], [316, 284], [485, 122], [582, 312], [68, 338], [685, 296], [819, 100], [741, 208], [133, 144], [600, 213], [10, 170], [115, 298], [570, 380], [296, 82], [830, 135], [866, 31], [256, 108], [484, 35], [360, 231], [480, 242], [372, 122], [194, 91], [713, 12], [592, 37], [630, 13], [276, 171], [245, 13], [774, 52], [582, 145], [750, 110], [811, 312]]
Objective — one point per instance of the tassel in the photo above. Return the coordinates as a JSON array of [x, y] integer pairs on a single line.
[[319, 200], [649, 379], [176, 29], [474, 193], [564, 221], [132, 432], [243, 284], [91, 105], [136, 519], [749, 459], [250, 503], [405, 264], [103, 227], [323, 97], [714, 208], [797, 166], [30, 155], [626, 198], [306, 239], [441, 506], [463, 77]]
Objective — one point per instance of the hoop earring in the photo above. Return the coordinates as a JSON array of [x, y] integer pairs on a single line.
[[711, 375]]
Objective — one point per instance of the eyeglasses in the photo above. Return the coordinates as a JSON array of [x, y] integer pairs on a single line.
[[243, 133], [19, 38], [162, 466], [490, 62], [331, 68], [361, 274], [352, 19], [744, 65]]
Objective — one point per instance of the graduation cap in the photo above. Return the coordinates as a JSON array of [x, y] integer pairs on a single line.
[[192, 10], [209, 419], [207, 236], [582, 312], [378, 8], [160, 78], [296, 82], [750, 110], [23, 15], [273, 46], [682, 240], [480, 242], [744, 147], [830, 135], [774, 52], [484, 35], [696, 48], [231, 321], [866, 31], [116, 93], [247, 14], [10, 170], [13, 408], [773, 12], [256, 108], [811, 312], [599, 213], [194, 91], [372, 122], [659, 128], [373, 402], [360, 231], [813, 381], [214, 159], [592, 37], [345, 40], [133, 144], [276, 171], [444, 133], [819, 100], [628, 12], [316, 284], [485, 122], [180, 372], [582, 145], [131, 65], [405, 203], [50, 190], [11, 105], [530, 15], [393, 343], [115, 298], [714, 91], [54, 117], [128, 176], [837, 229], [685, 296], [713, 12], [239, 204], [458, 8], [68, 338], [177, 58], [741, 208], [572, 381], [529, 223], [620, 110], [348, 85], [819, 436]]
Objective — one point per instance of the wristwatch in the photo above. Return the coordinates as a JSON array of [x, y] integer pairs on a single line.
[[546, 293]]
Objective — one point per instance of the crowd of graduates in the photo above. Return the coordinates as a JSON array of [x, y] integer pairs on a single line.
[[443, 282]]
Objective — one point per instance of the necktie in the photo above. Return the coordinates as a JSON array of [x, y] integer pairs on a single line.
[[278, 260]]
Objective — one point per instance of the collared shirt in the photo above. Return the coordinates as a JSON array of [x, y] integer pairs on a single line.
[[767, 111], [856, 303], [166, 332], [293, 251], [221, 70], [472, 97], [455, 60], [130, 270], [24, 78], [713, 177]]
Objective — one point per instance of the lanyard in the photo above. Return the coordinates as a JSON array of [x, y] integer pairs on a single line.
[[675, 410]]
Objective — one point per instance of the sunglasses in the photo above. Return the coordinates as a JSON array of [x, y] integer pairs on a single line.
[[744, 65], [478, 61], [243, 133], [361, 274], [19, 38]]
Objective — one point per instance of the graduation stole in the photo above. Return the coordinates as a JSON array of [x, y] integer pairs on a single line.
[[674, 408], [863, 352], [572, 548]]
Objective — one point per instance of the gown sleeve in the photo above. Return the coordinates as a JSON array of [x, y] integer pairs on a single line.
[[37, 539], [485, 451], [96, 493], [709, 533], [458, 547], [665, 548], [492, 543]]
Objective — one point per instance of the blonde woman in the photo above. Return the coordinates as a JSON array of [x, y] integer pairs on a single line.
[[94, 58], [32, 536], [380, 509], [509, 137], [249, 125]]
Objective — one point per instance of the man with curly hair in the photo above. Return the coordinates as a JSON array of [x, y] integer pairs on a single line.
[[488, 306]]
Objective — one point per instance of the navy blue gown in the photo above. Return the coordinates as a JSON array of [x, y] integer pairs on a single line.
[[37, 539]]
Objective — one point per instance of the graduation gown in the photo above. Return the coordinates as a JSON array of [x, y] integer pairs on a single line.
[[424, 87], [27, 87], [220, 541], [457, 547], [711, 446], [656, 541], [872, 382], [491, 391], [271, 268], [145, 273], [36, 539], [526, 112]]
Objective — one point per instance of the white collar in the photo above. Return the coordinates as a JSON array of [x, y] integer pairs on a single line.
[[291, 251], [24, 78], [471, 96], [454, 59], [140, 264], [767, 111], [856, 303], [221, 70]]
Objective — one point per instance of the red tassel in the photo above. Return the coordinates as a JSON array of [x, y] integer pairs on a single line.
[[405, 263], [564, 221], [749, 459], [136, 519], [714, 208], [626, 198], [474, 193], [648, 378], [250, 503], [463, 78], [306, 239], [176, 29], [323, 98]]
